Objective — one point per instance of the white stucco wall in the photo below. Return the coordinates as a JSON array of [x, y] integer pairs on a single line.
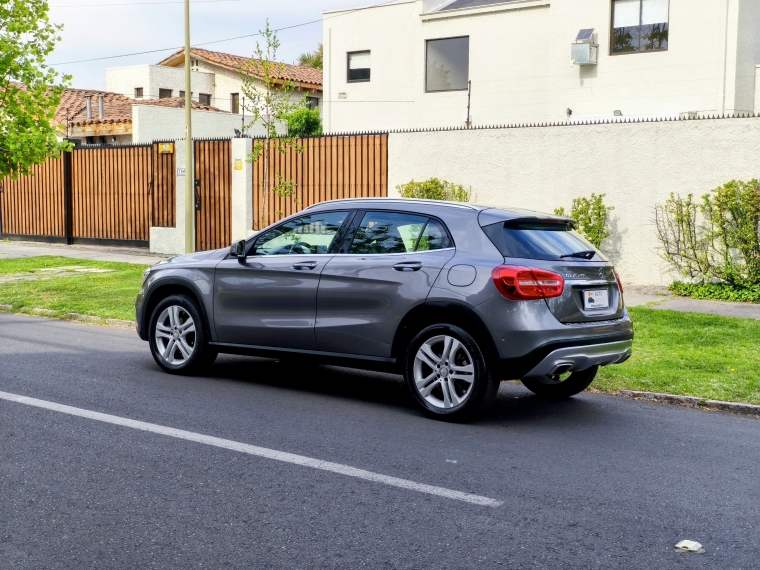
[[151, 123], [520, 64], [636, 165], [151, 78]]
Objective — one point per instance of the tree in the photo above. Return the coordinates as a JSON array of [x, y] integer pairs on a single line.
[[312, 58], [30, 91], [305, 123], [270, 98]]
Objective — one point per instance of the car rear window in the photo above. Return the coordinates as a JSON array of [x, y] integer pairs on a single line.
[[547, 240]]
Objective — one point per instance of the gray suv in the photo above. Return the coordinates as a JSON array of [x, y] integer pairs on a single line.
[[455, 297]]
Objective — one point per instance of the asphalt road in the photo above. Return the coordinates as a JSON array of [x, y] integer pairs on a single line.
[[595, 482]]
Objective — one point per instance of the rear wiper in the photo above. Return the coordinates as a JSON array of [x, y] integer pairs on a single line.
[[588, 254]]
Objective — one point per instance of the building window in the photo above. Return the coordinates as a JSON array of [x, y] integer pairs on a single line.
[[447, 64], [312, 102], [358, 66], [182, 94], [235, 102], [639, 25], [204, 99], [138, 92], [164, 93]]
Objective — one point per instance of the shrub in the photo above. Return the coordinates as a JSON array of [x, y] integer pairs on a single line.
[[590, 216], [717, 239], [304, 123], [717, 291], [435, 189]]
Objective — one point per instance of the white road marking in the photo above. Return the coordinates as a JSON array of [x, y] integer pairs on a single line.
[[257, 451]]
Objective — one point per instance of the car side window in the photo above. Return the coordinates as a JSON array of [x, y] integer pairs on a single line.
[[434, 237], [387, 232], [307, 235]]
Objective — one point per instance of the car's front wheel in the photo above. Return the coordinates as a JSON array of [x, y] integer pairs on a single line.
[[561, 386], [177, 336], [448, 374]]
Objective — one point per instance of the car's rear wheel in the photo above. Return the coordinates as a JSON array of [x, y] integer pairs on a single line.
[[448, 374], [561, 386], [177, 336]]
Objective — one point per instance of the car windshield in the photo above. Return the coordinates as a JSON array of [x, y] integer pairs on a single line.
[[551, 241]]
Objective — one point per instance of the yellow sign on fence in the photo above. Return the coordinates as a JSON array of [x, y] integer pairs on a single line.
[[166, 148]]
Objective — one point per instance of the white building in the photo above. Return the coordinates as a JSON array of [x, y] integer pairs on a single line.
[[423, 63], [215, 79]]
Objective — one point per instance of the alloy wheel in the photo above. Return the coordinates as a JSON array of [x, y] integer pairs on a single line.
[[444, 372], [175, 335]]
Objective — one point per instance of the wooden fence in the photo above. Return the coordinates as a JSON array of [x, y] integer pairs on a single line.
[[213, 194], [327, 168], [33, 205], [112, 193]]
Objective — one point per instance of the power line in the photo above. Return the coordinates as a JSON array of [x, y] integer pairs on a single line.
[[141, 3], [226, 39]]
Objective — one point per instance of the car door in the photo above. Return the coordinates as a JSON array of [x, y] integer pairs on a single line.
[[387, 265], [269, 298]]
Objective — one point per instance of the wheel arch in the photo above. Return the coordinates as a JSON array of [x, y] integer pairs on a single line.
[[436, 312], [165, 288]]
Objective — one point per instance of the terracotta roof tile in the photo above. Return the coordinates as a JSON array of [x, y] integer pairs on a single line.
[[296, 73], [116, 108]]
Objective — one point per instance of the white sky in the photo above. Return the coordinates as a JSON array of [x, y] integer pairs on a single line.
[[99, 28]]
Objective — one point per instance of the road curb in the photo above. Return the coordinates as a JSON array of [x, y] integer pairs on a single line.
[[734, 407]]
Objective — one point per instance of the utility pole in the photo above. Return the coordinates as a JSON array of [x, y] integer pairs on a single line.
[[189, 174]]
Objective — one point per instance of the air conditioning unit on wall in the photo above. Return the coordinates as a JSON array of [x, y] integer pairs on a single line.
[[584, 51]]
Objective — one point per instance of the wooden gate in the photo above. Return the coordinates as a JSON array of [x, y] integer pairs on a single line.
[[111, 193], [213, 194], [34, 205], [327, 168]]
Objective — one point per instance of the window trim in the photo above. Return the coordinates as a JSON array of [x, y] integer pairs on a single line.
[[348, 68], [139, 93], [348, 238], [426, 64], [612, 33], [339, 236]]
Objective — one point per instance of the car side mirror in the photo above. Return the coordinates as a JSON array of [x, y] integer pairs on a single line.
[[237, 249]]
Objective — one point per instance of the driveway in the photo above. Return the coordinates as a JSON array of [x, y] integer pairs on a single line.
[[594, 482]]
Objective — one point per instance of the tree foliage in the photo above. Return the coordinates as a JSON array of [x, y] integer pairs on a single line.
[[30, 91], [305, 123], [271, 100], [312, 58], [435, 189], [591, 217], [717, 239]]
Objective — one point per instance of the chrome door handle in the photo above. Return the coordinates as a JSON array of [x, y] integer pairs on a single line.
[[408, 266], [305, 265]]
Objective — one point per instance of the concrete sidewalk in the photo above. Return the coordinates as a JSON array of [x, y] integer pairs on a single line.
[[660, 298], [16, 249]]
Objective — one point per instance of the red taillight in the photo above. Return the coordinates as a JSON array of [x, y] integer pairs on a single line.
[[620, 284], [525, 283]]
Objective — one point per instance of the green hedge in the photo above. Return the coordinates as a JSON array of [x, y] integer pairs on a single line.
[[717, 291]]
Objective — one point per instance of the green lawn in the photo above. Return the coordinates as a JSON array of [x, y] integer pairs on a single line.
[[676, 353], [105, 295], [690, 354]]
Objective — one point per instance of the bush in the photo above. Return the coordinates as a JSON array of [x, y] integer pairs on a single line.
[[717, 291], [304, 123], [717, 240], [435, 189], [590, 216]]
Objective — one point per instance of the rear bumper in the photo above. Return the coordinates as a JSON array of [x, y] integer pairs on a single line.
[[576, 358], [580, 353]]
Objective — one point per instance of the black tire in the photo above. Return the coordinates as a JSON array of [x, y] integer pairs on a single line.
[[484, 383], [550, 389], [202, 355]]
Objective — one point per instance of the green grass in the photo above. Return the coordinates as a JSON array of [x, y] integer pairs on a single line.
[[105, 295], [690, 354]]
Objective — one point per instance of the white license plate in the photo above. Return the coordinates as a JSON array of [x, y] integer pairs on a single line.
[[596, 299]]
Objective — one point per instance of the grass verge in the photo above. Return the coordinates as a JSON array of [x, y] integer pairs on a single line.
[[690, 354], [104, 295]]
